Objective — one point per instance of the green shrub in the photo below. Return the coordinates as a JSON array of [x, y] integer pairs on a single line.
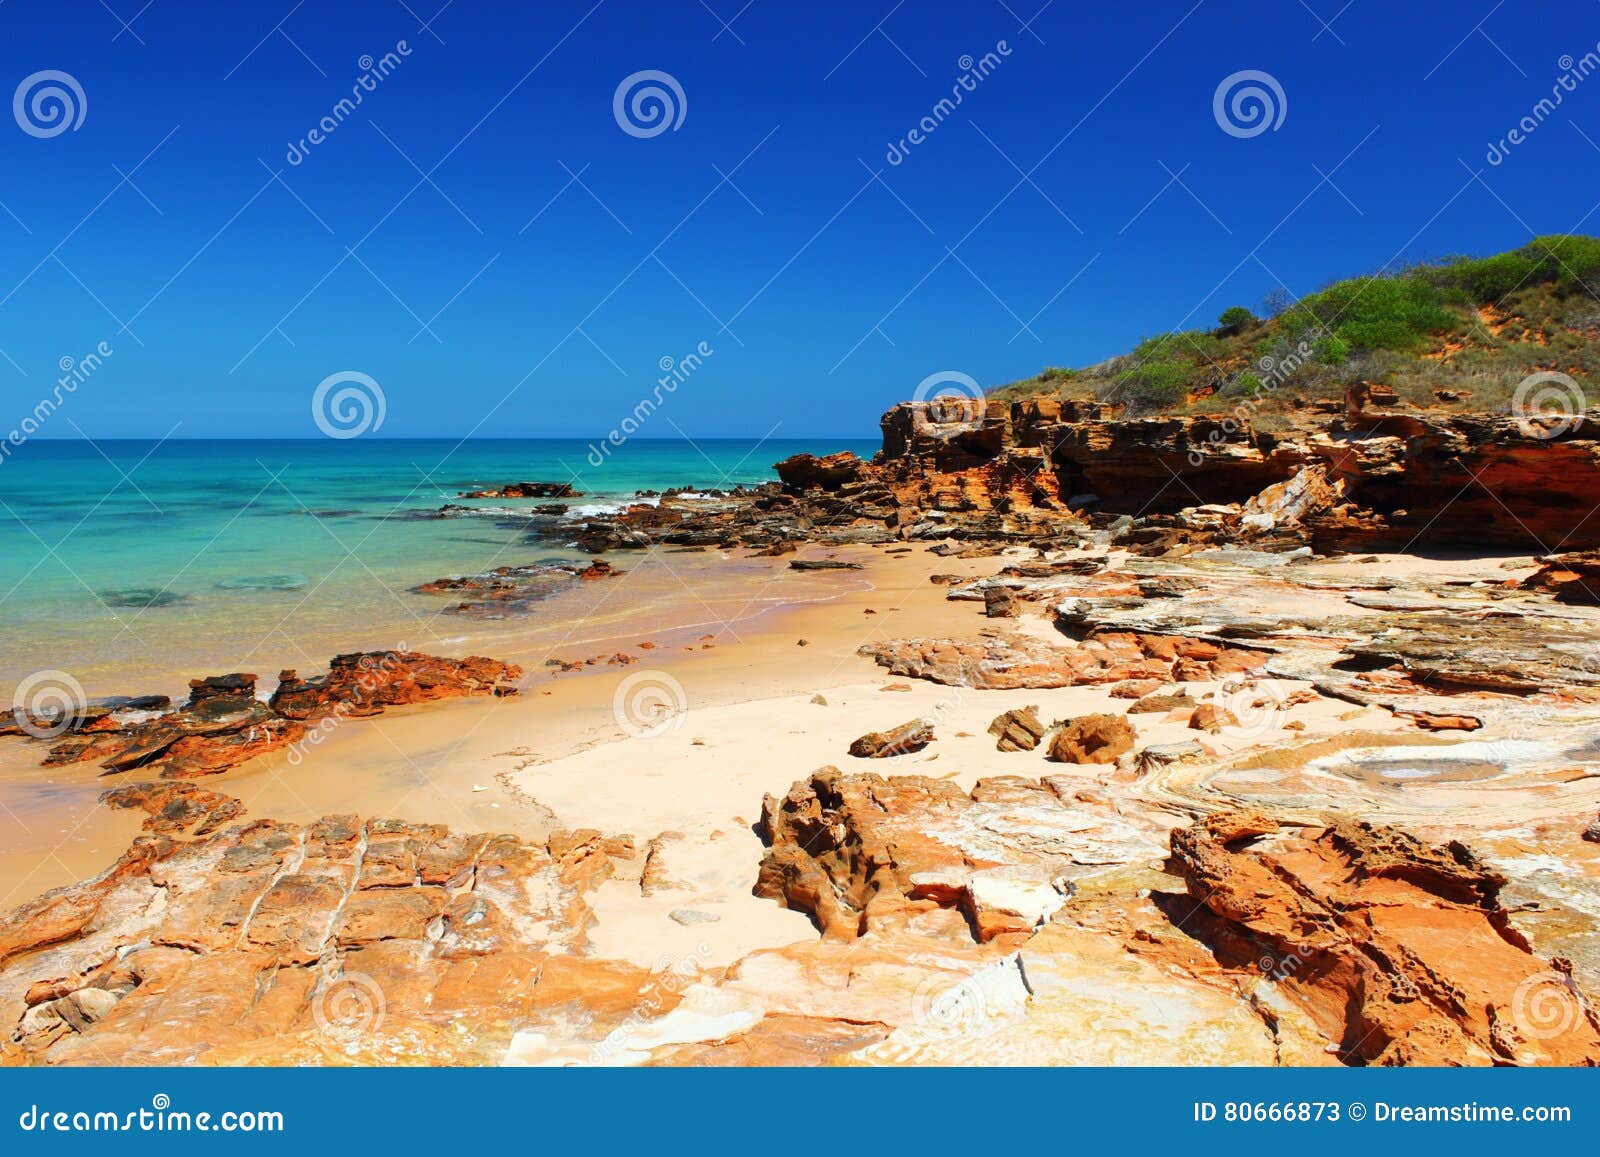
[[1234, 320], [1373, 312], [1246, 385], [1332, 350], [1056, 374]]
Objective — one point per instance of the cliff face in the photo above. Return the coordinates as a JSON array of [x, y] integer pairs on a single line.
[[1398, 477]]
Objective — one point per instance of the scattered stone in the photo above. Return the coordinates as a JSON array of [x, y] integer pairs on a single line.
[[1211, 718], [1018, 729], [901, 740], [691, 916], [822, 564], [1157, 704], [1092, 739], [999, 603]]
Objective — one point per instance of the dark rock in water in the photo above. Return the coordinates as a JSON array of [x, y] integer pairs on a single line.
[[448, 510], [135, 702], [526, 490], [264, 582], [551, 508], [235, 686], [509, 591], [142, 597]]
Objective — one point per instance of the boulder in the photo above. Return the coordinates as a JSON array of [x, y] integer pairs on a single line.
[[1092, 739], [901, 740], [1018, 729]]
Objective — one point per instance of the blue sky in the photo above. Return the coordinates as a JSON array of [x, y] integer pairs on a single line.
[[505, 296]]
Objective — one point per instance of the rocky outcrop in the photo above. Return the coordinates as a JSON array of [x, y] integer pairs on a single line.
[[860, 852], [340, 941], [526, 490], [1092, 739], [1050, 471], [1572, 578], [223, 723], [1016, 663], [511, 591], [1400, 951]]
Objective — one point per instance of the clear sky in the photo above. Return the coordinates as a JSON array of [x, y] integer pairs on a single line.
[[483, 238]]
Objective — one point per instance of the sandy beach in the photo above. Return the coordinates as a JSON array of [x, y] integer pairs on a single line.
[[766, 701]]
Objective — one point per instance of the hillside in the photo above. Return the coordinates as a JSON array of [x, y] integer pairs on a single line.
[[1463, 330]]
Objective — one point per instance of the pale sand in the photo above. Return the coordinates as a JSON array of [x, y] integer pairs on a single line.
[[556, 756]]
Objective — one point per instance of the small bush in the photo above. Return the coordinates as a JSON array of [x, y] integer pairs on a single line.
[[1056, 374], [1332, 350], [1373, 312], [1234, 320]]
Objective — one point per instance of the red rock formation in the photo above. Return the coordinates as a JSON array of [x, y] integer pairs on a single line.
[[1105, 657], [1092, 739], [1401, 952], [340, 941], [367, 682], [223, 723], [1573, 577]]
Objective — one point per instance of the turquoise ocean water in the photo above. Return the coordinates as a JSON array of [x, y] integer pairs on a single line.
[[125, 557]]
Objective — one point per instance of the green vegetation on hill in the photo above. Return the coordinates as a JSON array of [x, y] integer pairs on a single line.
[[1469, 326]]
